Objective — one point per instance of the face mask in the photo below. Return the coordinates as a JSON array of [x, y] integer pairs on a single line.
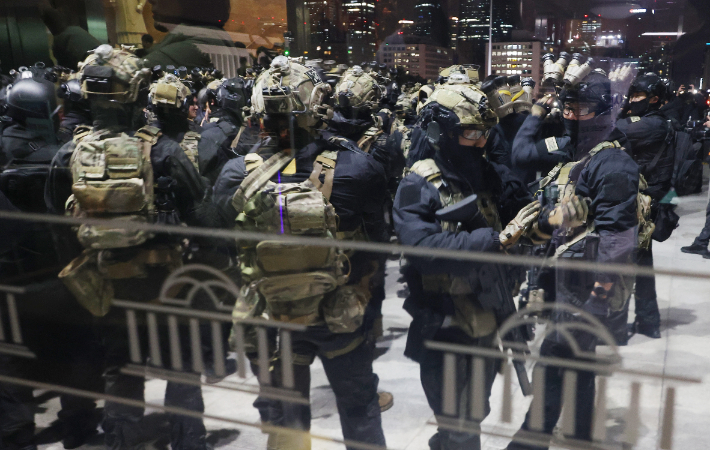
[[638, 108], [571, 128], [592, 132]]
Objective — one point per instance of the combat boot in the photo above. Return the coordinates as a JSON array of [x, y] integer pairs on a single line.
[[697, 249]]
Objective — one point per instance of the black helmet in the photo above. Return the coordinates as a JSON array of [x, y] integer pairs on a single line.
[[231, 95], [71, 90], [31, 98], [594, 89], [651, 84]]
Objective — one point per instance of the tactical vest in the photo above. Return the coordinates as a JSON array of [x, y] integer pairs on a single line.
[[469, 314], [294, 283], [112, 179], [559, 183], [575, 245]]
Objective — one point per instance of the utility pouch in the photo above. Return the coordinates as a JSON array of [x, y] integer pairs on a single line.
[[90, 288], [276, 257], [113, 235], [472, 318], [296, 297], [344, 311]]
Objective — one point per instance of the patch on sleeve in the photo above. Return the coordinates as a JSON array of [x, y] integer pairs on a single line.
[[634, 119], [618, 187], [409, 195], [551, 144]]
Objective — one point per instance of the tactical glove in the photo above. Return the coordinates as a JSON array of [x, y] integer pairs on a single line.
[[517, 227], [597, 306], [570, 213], [542, 107]]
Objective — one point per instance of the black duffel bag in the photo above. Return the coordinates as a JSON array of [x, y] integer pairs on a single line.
[[666, 221]]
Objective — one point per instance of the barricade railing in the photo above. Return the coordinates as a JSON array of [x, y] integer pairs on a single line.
[[11, 341], [373, 247], [171, 314], [603, 366]]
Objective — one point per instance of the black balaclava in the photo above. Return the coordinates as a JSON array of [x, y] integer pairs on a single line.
[[586, 134], [460, 161], [638, 108]]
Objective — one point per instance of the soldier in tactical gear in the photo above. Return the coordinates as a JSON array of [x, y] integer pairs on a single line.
[[227, 131], [287, 100], [650, 135], [603, 229], [129, 264], [446, 297]]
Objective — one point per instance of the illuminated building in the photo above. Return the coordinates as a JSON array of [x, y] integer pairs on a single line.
[[430, 21], [518, 58], [415, 55], [361, 35], [473, 20]]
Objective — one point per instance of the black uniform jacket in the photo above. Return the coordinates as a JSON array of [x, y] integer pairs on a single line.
[[647, 136], [531, 154]]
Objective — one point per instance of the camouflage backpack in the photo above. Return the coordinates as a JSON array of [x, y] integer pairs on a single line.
[[294, 283], [113, 178]]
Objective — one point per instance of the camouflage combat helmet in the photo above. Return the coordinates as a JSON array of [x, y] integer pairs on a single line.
[[357, 89], [114, 74], [289, 87], [466, 102], [469, 72], [168, 92]]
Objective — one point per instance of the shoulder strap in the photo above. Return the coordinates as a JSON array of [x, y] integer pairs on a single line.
[[80, 132], [239, 134], [324, 164], [149, 134], [427, 169], [370, 136], [670, 134], [564, 247], [551, 176], [189, 146], [603, 146], [258, 178]]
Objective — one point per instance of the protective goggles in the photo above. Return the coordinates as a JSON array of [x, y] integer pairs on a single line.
[[473, 135], [580, 110]]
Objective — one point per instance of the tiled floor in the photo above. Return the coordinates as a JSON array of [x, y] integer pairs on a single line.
[[684, 349]]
